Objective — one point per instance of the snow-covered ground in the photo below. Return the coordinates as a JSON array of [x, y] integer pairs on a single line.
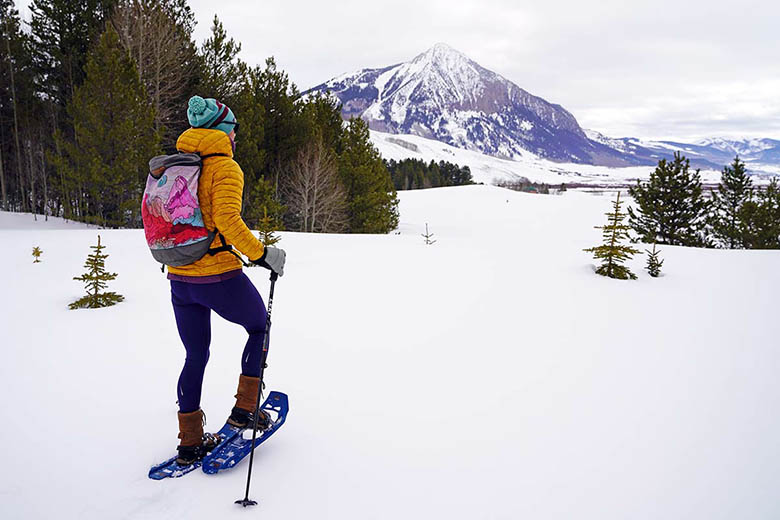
[[11, 221], [487, 169], [490, 375]]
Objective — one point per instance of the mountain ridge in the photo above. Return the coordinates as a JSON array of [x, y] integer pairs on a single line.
[[442, 94]]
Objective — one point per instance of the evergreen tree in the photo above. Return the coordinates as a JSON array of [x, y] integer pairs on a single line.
[[28, 116], [372, 203], [63, 32], [322, 115], [14, 59], [221, 70], [413, 174], [760, 219], [95, 280], [654, 263], [106, 161], [267, 229], [285, 128], [37, 252], [671, 208], [612, 252], [734, 190], [260, 200], [250, 153]]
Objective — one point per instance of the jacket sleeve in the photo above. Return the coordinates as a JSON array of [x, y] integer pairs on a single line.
[[226, 203]]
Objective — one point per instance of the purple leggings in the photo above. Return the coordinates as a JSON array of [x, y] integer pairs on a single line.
[[236, 300]]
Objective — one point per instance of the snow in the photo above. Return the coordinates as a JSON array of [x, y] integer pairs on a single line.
[[738, 146], [490, 375], [488, 169], [36, 222], [382, 80]]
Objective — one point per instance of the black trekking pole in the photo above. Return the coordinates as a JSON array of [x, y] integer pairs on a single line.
[[245, 501]]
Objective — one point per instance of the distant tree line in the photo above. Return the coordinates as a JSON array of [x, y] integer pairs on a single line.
[[94, 88], [672, 208], [527, 186], [414, 174]]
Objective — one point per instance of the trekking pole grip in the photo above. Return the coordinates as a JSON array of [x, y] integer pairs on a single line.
[[274, 276]]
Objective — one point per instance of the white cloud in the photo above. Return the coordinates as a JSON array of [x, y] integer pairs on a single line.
[[661, 68]]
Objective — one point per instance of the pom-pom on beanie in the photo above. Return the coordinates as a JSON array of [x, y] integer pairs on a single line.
[[210, 113]]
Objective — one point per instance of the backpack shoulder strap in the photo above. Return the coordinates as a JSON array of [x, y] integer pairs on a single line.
[[213, 155], [225, 248]]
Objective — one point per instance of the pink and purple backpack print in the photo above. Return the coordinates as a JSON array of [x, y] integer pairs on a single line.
[[171, 213]]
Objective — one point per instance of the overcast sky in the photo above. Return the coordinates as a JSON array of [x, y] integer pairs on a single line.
[[682, 69]]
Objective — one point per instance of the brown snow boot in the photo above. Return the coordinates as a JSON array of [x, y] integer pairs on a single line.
[[194, 443], [242, 415]]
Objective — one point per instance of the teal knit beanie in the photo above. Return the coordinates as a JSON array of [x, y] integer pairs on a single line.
[[210, 113]]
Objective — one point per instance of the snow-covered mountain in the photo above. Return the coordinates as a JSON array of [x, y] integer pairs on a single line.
[[743, 147], [490, 170], [442, 94], [761, 155]]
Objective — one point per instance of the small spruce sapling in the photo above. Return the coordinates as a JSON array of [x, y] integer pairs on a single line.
[[267, 228], [612, 252], [428, 236], [95, 280], [37, 252], [653, 262]]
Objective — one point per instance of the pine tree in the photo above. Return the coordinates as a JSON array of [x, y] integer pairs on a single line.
[[372, 203], [653, 262], [286, 129], [95, 280], [105, 163], [760, 219], [671, 206], [612, 252], [222, 70], [37, 252], [267, 227], [428, 236], [63, 31], [734, 190]]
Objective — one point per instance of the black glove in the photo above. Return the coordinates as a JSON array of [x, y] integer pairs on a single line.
[[273, 258]]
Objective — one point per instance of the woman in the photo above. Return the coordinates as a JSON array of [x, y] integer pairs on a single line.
[[216, 281]]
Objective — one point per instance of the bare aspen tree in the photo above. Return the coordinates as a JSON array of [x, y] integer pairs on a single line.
[[163, 57], [313, 191]]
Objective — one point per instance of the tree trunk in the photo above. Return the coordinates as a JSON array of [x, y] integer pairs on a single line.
[[2, 180], [41, 156], [31, 169], [22, 195]]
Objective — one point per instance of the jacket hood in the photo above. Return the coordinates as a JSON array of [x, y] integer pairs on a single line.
[[204, 141]]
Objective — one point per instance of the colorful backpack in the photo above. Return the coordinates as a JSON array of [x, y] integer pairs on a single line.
[[171, 213]]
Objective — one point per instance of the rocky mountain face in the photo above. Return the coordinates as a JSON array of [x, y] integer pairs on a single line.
[[442, 94]]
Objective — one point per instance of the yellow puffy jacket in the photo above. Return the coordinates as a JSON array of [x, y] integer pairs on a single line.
[[220, 190]]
